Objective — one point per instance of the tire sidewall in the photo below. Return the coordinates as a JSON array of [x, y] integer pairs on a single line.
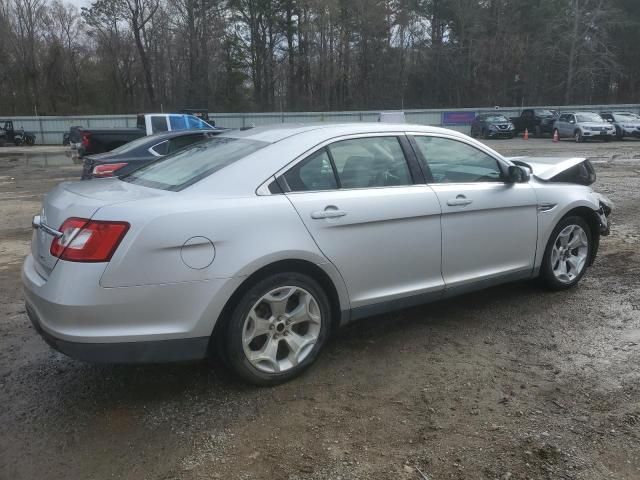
[[233, 332], [546, 272]]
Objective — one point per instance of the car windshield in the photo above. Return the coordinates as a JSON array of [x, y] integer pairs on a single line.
[[192, 164], [496, 118], [544, 113], [132, 145], [589, 117], [627, 117]]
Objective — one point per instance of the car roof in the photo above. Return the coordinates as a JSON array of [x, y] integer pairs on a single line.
[[277, 132]]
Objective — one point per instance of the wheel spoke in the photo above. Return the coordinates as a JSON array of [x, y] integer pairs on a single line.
[[572, 263], [267, 354], [278, 299], [579, 239], [296, 344], [257, 327], [305, 311]]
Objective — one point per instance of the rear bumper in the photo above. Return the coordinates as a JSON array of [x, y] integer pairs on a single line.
[[160, 351], [153, 323]]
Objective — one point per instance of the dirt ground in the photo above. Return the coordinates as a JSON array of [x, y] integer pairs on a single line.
[[509, 383]]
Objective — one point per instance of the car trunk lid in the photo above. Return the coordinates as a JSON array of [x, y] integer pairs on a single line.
[[82, 200]]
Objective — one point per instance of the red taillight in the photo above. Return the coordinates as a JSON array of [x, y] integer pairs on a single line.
[[86, 240], [107, 170], [86, 140]]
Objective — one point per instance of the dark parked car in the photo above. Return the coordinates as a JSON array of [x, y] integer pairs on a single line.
[[139, 152], [100, 140], [537, 121], [492, 125]]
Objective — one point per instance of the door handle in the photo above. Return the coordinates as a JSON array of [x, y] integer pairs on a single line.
[[459, 201], [329, 212]]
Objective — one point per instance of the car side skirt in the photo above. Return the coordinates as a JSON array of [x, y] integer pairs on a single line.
[[416, 300]]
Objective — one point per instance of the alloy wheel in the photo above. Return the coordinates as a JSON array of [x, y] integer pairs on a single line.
[[569, 253], [281, 329]]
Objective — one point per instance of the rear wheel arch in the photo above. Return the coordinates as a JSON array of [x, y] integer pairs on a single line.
[[304, 267]]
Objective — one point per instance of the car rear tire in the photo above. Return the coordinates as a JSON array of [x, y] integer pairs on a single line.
[[567, 254], [278, 328]]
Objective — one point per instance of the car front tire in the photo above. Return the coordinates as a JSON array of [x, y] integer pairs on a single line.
[[578, 137], [567, 254], [278, 328]]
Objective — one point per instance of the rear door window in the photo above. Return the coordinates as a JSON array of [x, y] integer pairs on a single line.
[[161, 148], [312, 174], [183, 141]]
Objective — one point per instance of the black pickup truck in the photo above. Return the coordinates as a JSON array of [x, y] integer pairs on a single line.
[[537, 121], [89, 141]]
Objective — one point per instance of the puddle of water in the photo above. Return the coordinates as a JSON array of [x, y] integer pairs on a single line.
[[43, 159]]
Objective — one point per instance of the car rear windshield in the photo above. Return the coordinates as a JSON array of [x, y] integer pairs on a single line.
[[544, 113], [190, 165]]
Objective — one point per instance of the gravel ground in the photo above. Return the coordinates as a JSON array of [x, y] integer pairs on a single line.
[[512, 382]]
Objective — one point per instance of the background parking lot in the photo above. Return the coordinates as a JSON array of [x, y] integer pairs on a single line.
[[512, 382]]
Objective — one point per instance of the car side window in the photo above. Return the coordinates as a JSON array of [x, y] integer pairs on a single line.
[[370, 162], [158, 124], [177, 122], [312, 174], [194, 123], [161, 148], [183, 141], [451, 161]]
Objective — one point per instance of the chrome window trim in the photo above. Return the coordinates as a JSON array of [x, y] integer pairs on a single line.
[[153, 152], [325, 143]]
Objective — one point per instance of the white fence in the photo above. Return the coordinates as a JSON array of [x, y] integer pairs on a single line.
[[49, 130]]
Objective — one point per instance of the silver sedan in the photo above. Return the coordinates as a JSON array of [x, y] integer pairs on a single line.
[[257, 244]]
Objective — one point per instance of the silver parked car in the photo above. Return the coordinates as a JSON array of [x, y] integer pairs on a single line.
[[627, 124], [583, 125], [257, 244]]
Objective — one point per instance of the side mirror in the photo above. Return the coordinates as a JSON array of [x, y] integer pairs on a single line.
[[518, 174]]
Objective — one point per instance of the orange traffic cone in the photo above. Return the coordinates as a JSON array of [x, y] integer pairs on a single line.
[[555, 136], [526, 134]]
